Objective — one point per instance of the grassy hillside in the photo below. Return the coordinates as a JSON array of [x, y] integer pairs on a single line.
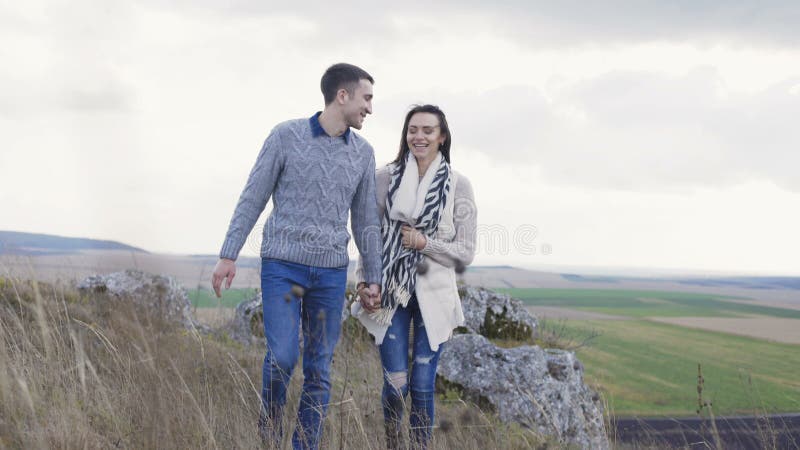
[[646, 368], [82, 371]]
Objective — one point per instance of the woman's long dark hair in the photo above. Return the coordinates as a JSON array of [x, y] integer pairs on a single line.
[[443, 128]]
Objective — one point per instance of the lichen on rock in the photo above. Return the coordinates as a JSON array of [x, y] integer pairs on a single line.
[[495, 315]]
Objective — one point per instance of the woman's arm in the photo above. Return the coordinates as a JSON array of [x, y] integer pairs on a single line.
[[465, 220]]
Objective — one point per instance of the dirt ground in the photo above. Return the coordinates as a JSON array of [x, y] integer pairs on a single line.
[[770, 328]]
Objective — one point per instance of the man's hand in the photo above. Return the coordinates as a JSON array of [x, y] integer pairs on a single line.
[[370, 297], [226, 268], [412, 238]]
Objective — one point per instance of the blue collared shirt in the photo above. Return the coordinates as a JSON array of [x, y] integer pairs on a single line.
[[317, 130]]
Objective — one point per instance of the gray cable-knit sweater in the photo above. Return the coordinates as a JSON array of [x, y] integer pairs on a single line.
[[313, 182]]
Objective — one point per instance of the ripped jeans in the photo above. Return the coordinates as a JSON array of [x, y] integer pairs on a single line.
[[396, 381]]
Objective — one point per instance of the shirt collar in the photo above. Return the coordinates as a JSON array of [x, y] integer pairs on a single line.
[[317, 130]]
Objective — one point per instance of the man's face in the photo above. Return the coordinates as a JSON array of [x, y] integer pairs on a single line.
[[358, 105]]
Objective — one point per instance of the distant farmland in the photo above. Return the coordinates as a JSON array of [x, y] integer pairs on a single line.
[[647, 303], [646, 367]]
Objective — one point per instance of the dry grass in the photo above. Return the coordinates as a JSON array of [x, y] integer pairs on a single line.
[[214, 317], [88, 372]]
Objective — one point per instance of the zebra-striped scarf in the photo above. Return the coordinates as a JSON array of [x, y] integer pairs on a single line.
[[400, 263]]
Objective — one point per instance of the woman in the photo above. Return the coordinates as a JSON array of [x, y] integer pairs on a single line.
[[428, 224]]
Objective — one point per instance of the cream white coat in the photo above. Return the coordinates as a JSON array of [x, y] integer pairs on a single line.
[[437, 292]]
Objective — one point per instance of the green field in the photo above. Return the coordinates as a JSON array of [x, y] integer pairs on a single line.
[[203, 298], [646, 368], [646, 303]]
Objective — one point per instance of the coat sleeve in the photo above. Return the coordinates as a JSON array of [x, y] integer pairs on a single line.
[[465, 220], [366, 225]]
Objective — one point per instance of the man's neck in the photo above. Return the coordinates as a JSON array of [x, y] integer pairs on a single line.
[[332, 123]]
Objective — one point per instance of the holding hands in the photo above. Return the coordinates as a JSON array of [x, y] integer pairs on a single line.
[[369, 297]]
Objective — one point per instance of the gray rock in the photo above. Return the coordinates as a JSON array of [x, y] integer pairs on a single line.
[[540, 389], [495, 315], [247, 326], [162, 294]]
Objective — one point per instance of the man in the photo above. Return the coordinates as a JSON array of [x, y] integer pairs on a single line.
[[315, 170]]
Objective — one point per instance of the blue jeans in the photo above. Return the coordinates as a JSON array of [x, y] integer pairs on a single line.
[[394, 357], [295, 295]]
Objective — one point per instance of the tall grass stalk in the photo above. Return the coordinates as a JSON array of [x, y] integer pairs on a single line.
[[89, 371]]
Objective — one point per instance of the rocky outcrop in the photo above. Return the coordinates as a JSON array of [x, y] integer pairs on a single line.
[[247, 326], [155, 292], [540, 389], [495, 315]]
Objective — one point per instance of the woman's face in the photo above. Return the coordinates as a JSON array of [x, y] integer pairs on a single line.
[[424, 136]]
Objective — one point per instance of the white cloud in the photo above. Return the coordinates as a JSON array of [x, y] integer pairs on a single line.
[[538, 23], [602, 127], [637, 131]]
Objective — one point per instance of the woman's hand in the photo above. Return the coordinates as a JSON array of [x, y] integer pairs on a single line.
[[412, 238]]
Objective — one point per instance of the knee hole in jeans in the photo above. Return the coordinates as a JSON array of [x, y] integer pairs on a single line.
[[397, 380]]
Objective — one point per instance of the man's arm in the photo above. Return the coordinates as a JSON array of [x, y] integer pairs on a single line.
[[254, 197], [366, 224]]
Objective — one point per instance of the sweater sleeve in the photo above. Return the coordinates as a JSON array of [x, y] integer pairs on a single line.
[[254, 197], [366, 225], [381, 189], [465, 220]]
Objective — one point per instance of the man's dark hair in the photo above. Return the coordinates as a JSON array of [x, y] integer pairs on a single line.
[[340, 76], [443, 128]]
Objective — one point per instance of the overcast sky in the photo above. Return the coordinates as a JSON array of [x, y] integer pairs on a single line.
[[632, 134]]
